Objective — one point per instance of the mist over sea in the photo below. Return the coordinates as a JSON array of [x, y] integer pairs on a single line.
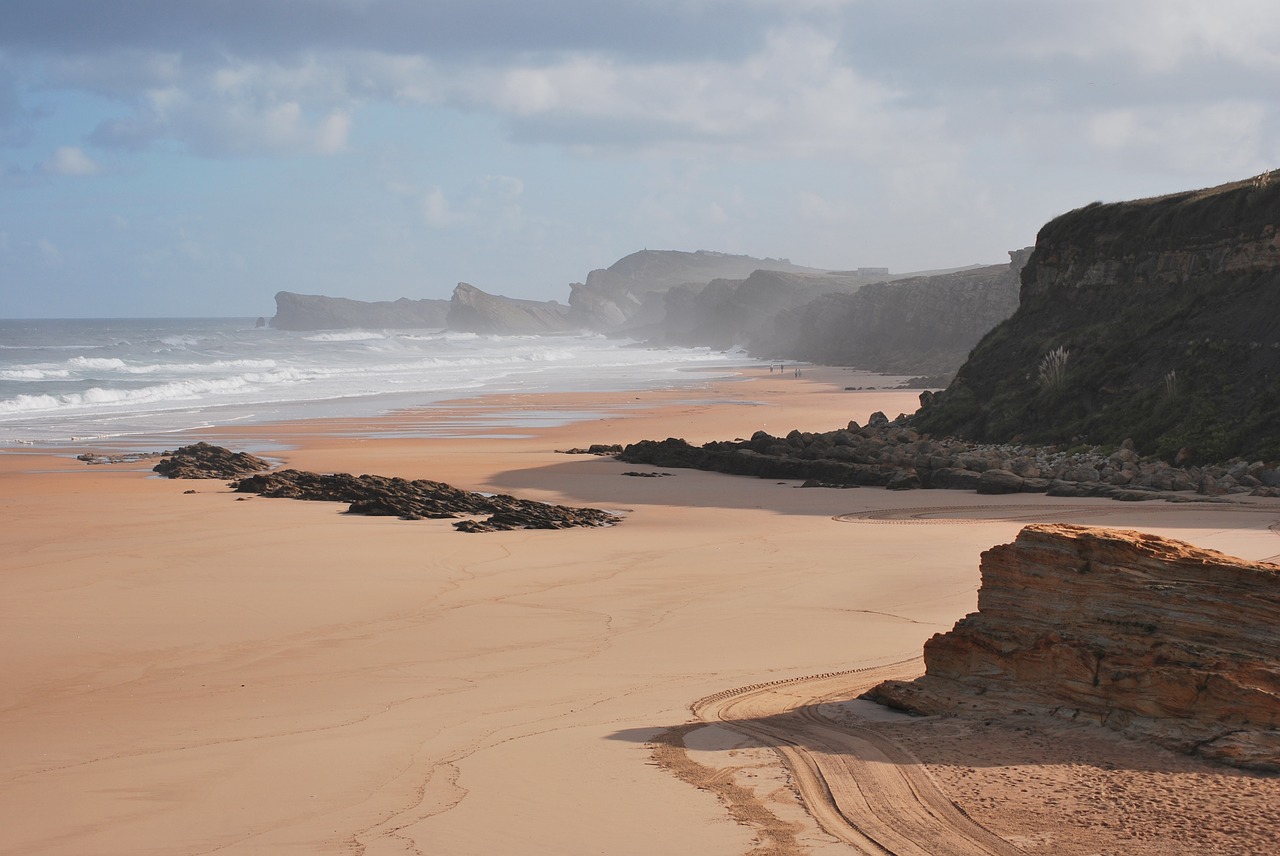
[[107, 381]]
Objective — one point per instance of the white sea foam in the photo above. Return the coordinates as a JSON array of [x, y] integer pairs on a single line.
[[32, 373], [95, 363], [345, 336], [96, 379]]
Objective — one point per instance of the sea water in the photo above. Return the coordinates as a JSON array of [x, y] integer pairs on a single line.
[[83, 380]]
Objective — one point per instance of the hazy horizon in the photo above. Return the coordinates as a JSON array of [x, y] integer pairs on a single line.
[[192, 159]]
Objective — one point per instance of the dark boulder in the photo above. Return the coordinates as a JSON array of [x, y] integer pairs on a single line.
[[206, 461]]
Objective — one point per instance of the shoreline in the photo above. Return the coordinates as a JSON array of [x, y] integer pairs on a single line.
[[193, 671]]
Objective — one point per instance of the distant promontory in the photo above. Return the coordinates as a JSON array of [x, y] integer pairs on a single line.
[[913, 324]]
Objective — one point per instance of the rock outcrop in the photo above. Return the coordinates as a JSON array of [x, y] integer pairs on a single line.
[[206, 461], [1154, 319], [316, 312], [891, 454], [1155, 638], [381, 496], [923, 325], [474, 311]]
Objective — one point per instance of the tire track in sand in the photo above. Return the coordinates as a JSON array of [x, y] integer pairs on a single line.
[[860, 787]]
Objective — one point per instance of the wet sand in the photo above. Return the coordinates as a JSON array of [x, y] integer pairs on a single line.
[[199, 672]]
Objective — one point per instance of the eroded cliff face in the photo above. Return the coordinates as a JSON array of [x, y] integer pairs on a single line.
[[616, 297], [728, 312], [1155, 638], [317, 312], [1165, 313], [923, 326]]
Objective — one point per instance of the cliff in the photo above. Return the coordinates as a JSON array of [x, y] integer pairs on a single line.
[[728, 312], [924, 325], [623, 294], [1153, 319], [474, 311], [1155, 638], [316, 312]]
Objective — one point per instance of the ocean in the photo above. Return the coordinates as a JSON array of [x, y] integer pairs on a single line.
[[108, 383]]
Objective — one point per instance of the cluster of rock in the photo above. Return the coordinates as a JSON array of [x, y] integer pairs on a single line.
[[1154, 638], [893, 455], [207, 461], [383, 496]]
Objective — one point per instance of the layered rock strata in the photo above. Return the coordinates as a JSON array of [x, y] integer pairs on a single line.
[[1155, 638]]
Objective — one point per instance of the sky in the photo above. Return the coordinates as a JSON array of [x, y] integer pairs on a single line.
[[172, 159]]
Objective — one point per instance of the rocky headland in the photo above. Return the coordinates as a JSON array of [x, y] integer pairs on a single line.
[[1154, 320], [1155, 638], [302, 312], [474, 311], [921, 324]]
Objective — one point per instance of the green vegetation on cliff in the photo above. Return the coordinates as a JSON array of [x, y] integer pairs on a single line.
[[1165, 318]]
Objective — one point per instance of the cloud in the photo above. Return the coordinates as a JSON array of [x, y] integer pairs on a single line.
[[49, 250], [445, 28], [436, 211], [70, 161], [877, 82], [235, 109]]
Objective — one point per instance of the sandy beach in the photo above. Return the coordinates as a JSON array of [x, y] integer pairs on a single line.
[[197, 672]]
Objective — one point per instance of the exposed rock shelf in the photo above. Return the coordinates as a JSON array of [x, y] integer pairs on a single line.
[[378, 496], [891, 455], [1152, 637]]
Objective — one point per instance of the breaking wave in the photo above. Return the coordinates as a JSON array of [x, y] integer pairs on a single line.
[[111, 377]]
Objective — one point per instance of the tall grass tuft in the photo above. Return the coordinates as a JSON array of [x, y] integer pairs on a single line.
[[1053, 370], [1171, 384]]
